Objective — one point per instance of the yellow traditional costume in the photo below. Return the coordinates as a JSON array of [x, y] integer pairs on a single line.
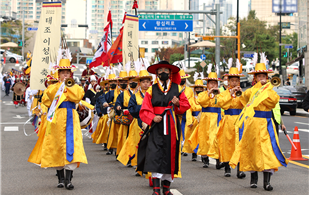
[[258, 149]]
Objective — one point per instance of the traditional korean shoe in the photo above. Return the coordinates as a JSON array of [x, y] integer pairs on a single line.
[[219, 164], [194, 157], [227, 170], [254, 179], [240, 174], [61, 179], [156, 186], [266, 181], [166, 187], [68, 184]]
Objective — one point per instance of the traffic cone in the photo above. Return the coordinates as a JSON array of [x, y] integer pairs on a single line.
[[296, 154], [17, 61]]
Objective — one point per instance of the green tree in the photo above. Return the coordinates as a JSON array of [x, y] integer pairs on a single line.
[[176, 57]]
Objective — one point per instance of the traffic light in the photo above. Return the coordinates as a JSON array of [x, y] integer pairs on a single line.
[[20, 43], [285, 54]]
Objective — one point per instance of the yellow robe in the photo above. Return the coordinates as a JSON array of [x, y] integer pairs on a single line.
[[54, 144], [35, 155], [35, 102], [254, 151], [130, 147], [113, 128], [191, 125], [228, 134], [102, 120], [206, 131]]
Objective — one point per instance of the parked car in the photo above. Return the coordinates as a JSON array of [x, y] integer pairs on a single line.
[[299, 92], [288, 101], [293, 69], [12, 57]]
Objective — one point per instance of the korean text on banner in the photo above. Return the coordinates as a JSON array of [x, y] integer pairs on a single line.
[[46, 44], [130, 39]]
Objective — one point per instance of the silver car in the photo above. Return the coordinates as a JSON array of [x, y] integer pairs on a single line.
[[12, 57]]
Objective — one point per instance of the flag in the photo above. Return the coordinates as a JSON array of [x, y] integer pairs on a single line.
[[135, 5], [104, 45], [114, 55], [259, 94]]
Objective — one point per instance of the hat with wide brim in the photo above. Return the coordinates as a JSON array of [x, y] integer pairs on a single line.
[[132, 74], [65, 65], [183, 74], [260, 68], [112, 77], [198, 83], [152, 68], [213, 77], [233, 72], [143, 75]]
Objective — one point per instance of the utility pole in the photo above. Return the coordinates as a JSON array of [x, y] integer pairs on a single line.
[[217, 49], [23, 33], [204, 25], [189, 41], [237, 20], [280, 40]]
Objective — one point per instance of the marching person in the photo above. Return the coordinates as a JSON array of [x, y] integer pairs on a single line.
[[83, 84], [7, 82], [17, 98], [228, 135], [62, 146], [121, 107], [203, 137], [159, 152], [87, 72], [258, 149], [90, 93], [195, 111], [187, 116]]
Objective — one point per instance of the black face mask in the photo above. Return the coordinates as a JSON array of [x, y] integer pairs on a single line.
[[133, 85], [182, 82], [197, 92], [123, 86], [112, 86], [163, 76]]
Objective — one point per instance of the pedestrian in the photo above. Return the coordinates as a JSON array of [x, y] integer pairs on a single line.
[[159, 152], [258, 149], [228, 135], [273, 65], [305, 103], [287, 82], [267, 64], [8, 84], [4, 57], [203, 137], [225, 82]]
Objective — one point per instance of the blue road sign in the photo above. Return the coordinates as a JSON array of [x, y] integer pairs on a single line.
[[89, 60], [203, 57], [166, 25], [249, 55], [32, 28], [288, 46]]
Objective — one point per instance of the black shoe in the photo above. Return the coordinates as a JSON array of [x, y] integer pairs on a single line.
[[254, 179], [219, 164], [184, 154], [68, 184], [156, 186], [110, 152], [227, 170], [266, 181], [194, 157], [105, 147], [137, 174], [166, 187], [61, 179], [206, 162], [240, 174], [128, 164]]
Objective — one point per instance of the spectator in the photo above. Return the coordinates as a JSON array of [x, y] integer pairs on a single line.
[[305, 103], [267, 64], [273, 65], [287, 82]]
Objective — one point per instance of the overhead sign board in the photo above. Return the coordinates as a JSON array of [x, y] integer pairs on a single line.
[[32, 28], [165, 17], [288, 6], [248, 55], [166, 25], [288, 46]]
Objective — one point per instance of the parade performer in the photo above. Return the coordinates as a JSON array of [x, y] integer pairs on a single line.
[[187, 116], [90, 93], [202, 139], [121, 106], [29, 100], [228, 134], [17, 98], [195, 111], [159, 152], [258, 149], [83, 84], [130, 147], [108, 122], [7, 82], [62, 146], [87, 72], [109, 101]]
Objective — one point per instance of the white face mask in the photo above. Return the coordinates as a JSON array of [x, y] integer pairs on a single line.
[[225, 83]]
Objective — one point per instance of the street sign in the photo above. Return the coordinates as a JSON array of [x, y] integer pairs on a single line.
[[208, 38], [164, 17], [203, 57], [166, 25], [288, 46], [203, 64], [32, 28], [248, 55], [88, 60]]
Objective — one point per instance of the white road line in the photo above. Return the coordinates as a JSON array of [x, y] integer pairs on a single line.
[[9, 104], [302, 123], [81, 69], [281, 131], [10, 128], [175, 192], [304, 130], [13, 123], [102, 70]]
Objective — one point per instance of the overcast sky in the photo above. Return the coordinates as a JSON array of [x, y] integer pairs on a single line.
[[243, 7]]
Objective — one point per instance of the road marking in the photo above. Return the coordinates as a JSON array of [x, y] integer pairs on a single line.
[[305, 156], [102, 70], [13, 123], [299, 164], [175, 192], [19, 117], [304, 130], [302, 123], [281, 131], [10, 128], [9, 104], [81, 69]]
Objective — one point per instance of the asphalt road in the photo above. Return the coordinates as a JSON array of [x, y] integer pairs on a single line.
[[103, 175]]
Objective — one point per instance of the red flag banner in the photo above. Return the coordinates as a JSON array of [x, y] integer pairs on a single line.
[[114, 55]]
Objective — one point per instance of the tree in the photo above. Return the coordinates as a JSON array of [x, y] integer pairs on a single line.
[[176, 57]]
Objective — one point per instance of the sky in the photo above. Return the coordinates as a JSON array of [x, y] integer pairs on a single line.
[[243, 7]]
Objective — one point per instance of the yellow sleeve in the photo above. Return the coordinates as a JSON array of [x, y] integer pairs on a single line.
[[48, 96], [203, 99], [245, 96], [74, 93], [225, 99], [272, 100]]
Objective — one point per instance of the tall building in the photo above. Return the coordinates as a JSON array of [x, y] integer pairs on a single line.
[[264, 12], [6, 8], [195, 6], [226, 8]]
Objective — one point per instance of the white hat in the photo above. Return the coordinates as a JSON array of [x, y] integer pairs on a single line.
[[92, 78]]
